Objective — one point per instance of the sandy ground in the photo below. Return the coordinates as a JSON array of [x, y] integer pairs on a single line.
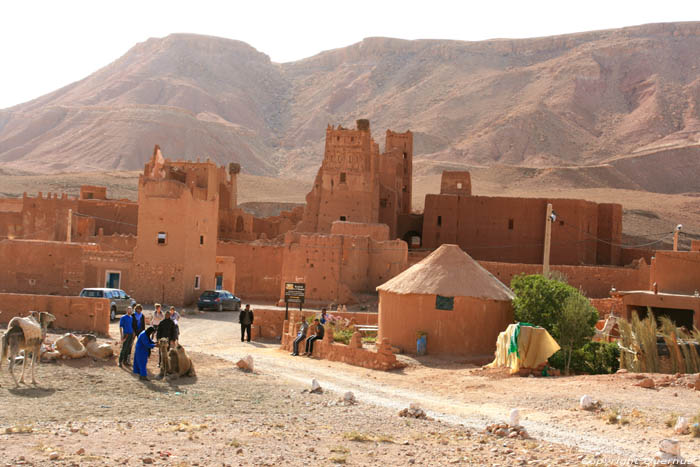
[[88, 412]]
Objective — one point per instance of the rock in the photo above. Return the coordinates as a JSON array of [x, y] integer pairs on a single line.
[[514, 417], [682, 426], [670, 446], [414, 406], [246, 363], [147, 460], [239, 451], [622, 371], [349, 398], [586, 402], [80, 452], [647, 383], [697, 383], [315, 387], [513, 434], [53, 456]]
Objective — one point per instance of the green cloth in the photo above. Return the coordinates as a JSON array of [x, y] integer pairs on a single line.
[[513, 347]]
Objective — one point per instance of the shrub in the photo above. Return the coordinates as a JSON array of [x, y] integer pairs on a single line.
[[596, 358], [342, 335], [575, 325]]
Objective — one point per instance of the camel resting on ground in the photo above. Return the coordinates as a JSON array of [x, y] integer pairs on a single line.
[[180, 362], [163, 356], [25, 334]]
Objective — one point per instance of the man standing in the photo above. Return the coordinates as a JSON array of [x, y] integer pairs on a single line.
[[126, 330], [319, 332], [139, 320], [300, 336], [144, 344], [246, 317], [166, 328]]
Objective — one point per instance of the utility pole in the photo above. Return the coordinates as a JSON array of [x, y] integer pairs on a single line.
[[676, 232], [547, 239], [70, 225]]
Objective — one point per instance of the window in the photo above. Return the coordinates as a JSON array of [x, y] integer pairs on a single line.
[[162, 238], [444, 303], [383, 202], [439, 221], [201, 239], [88, 196], [196, 282], [405, 156], [459, 185], [342, 218], [405, 188], [510, 224], [342, 177]]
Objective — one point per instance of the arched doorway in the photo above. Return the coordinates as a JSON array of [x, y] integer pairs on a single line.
[[413, 239]]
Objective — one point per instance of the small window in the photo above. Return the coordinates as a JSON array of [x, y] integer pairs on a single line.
[[439, 221], [342, 177], [352, 139], [459, 185], [162, 238], [405, 156], [444, 303], [337, 138], [342, 218], [510, 224], [196, 282], [383, 202], [88, 195], [201, 239], [405, 188], [561, 222]]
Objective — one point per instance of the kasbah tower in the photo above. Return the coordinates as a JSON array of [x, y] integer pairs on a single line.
[[358, 184]]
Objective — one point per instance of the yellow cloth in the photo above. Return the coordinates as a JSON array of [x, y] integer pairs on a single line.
[[535, 346]]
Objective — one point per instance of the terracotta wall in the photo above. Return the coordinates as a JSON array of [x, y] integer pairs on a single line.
[[512, 229], [456, 183], [258, 268], [352, 354], [595, 281], [41, 267], [470, 329], [72, 313], [628, 255], [609, 234], [379, 232], [269, 321], [112, 216], [123, 242], [676, 271], [695, 245], [607, 305]]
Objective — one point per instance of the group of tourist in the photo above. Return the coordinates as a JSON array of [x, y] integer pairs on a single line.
[[318, 331], [133, 324]]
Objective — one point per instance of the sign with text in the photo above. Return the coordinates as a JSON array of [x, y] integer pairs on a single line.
[[294, 292]]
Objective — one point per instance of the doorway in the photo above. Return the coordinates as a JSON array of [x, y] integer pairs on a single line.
[[112, 279], [219, 282]]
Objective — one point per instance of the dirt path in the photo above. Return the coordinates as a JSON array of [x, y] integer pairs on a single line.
[[458, 394]]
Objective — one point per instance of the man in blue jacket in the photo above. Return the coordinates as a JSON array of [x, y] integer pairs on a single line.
[[126, 330]]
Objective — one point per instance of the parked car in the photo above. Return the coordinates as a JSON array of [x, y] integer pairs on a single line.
[[119, 300], [219, 300]]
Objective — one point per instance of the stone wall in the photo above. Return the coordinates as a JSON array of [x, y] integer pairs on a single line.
[[72, 313], [607, 305], [258, 268]]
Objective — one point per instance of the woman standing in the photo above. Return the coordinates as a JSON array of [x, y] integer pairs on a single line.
[[158, 316], [144, 344]]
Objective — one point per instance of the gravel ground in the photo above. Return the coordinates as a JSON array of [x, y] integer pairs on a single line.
[[88, 412]]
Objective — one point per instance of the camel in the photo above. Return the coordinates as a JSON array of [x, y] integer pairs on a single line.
[[25, 334], [180, 363], [163, 355], [94, 349]]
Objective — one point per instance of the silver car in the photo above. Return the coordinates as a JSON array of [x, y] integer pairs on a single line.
[[118, 299]]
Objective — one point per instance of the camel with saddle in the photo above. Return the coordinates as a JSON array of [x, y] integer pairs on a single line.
[[26, 334]]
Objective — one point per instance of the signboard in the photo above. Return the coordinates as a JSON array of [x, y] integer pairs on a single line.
[[294, 292]]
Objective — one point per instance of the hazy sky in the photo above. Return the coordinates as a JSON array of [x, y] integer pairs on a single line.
[[47, 45]]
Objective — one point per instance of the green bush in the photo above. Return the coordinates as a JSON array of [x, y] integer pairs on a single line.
[[596, 358], [342, 335]]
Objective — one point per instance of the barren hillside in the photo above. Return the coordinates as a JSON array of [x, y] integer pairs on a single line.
[[625, 98]]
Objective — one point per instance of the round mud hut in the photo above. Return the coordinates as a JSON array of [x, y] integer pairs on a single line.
[[458, 304]]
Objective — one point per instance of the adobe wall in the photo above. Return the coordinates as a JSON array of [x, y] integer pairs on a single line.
[[607, 305], [470, 329], [675, 272], [512, 229], [226, 267], [409, 226], [609, 234], [695, 245], [258, 271], [456, 183], [352, 354], [595, 281], [72, 313], [379, 232], [123, 242], [268, 323], [11, 225], [41, 267], [628, 255], [112, 216], [98, 262], [662, 300], [93, 192]]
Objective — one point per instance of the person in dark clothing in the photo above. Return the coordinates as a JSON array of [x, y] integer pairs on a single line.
[[300, 336], [246, 317], [166, 328], [319, 332], [126, 330], [139, 320]]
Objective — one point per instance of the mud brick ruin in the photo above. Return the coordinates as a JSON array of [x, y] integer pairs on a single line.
[[357, 231]]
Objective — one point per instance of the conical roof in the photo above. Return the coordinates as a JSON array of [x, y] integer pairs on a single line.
[[450, 272]]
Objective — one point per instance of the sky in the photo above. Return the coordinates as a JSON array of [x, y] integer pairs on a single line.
[[45, 45]]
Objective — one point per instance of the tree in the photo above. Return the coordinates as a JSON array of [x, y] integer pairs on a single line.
[[575, 325], [539, 300]]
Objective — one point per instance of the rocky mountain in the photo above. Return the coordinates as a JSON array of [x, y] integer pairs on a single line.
[[626, 101]]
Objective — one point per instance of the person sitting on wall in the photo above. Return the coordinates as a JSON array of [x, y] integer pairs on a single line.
[[319, 332], [300, 336], [139, 320], [246, 317], [324, 316], [126, 330], [158, 316], [144, 344]]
